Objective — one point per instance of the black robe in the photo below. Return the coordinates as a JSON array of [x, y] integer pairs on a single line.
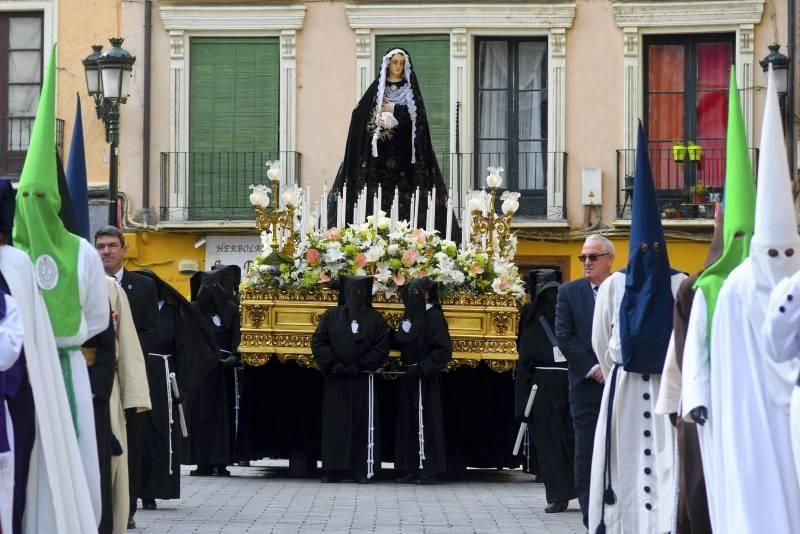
[[392, 167], [161, 432], [550, 423], [431, 348], [345, 399], [102, 348]]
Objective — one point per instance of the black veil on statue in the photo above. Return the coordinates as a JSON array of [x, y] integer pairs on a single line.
[[405, 158]]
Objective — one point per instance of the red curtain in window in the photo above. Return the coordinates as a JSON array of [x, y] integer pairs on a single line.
[[713, 76], [666, 87]]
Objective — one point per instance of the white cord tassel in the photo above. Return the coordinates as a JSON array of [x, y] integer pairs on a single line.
[[421, 432], [527, 448], [371, 428], [170, 420]]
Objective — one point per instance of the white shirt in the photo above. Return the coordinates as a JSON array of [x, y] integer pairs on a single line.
[[118, 275]]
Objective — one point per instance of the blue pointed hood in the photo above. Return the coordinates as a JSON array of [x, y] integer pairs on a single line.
[[76, 175], [647, 305]]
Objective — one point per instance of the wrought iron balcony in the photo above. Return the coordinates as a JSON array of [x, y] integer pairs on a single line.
[[15, 136]]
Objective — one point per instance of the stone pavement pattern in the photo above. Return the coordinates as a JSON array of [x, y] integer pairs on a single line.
[[263, 499]]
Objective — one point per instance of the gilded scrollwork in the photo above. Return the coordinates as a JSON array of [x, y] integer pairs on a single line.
[[455, 363], [255, 359], [304, 360], [392, 319], [257, 314], [501, 366], [501, 320]]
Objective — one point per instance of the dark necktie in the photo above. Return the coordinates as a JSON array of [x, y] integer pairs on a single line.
[[594, 290]]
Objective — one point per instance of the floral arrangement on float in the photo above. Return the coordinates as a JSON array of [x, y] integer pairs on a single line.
[[298, 254]]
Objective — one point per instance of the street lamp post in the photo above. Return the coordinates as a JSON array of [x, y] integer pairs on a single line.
[[108, 75], [781, 67]]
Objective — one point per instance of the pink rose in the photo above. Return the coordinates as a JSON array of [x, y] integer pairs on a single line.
[[313, 256], [399, 280], [323, 278], [332, 233], [419, 235], [505, 283], [409, 257], [361, 260], [475, 269], [421, 274]]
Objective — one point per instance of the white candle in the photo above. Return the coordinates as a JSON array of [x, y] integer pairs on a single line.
[[428, 212], [432, 209], [395, 208], [448, 224], [322, 207], [380, 198], [316, 218], [344, 205], [415, 216]]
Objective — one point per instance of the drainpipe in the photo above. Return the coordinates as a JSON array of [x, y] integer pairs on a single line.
[[791, 45], [148, 11]]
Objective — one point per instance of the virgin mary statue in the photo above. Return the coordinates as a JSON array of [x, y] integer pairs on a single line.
[[389, 143]]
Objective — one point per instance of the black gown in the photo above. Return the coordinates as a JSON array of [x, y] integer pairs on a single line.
[[345, 399], [392, 167], [102, 349], [430, 348], [550, 421], [161, 436]]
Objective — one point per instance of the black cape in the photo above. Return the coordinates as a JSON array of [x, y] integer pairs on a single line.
[[343, 357], [427, 345], [392, 168], [212, 413], [550, 423]]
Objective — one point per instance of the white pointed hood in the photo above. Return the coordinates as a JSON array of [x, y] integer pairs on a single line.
[[775, 247]]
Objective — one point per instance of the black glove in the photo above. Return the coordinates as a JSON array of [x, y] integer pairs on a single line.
[[699, 415], [116, 446], [414, 371], [338, 369], [230, 361], [673, 418], [351, 370]]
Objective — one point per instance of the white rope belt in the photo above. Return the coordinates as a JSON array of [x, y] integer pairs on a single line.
[[166, 358], [371, 427], [551, 368], [421, 431]]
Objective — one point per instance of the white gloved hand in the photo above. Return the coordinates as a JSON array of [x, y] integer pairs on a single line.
[[782, 322]]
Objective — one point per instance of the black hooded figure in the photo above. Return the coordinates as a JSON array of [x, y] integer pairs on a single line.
[[182, 345], [389, 144], [351, 341], [425, 349], [540, 363], [212, 412]]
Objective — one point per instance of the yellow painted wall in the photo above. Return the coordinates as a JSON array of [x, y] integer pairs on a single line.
[[687, 256], [160, 252], [82, 23]]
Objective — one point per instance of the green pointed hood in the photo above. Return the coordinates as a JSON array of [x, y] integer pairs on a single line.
[[37, 228], [739, 206]]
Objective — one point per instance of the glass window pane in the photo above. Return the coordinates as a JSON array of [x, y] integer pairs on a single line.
[[24, 67], [665, 68], [492, 114], [19, 134], [712, 114], [532, 160], [665, 117], [532, 65], [25, 32], [490, 154], [22, 100], [714, 65], [533, 115], [493, 64]]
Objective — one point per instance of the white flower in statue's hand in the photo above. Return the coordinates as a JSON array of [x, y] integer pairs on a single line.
[[388, 122]]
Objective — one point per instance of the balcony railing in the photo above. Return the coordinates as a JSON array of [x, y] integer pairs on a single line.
[[15, 136], [215, 186], [673, 178], [538, 176]]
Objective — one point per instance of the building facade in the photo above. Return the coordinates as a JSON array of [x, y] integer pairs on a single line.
[[552, 91]]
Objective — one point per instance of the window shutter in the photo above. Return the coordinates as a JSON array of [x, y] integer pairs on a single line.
[[233, 122], [430, 56]]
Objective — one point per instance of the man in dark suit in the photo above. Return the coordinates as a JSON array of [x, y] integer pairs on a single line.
[[574, 314], [143, 298]]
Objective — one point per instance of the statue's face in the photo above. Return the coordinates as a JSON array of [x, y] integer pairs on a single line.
[[397, 66]]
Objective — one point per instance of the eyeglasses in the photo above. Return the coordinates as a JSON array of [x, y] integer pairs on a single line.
[[591, 257]]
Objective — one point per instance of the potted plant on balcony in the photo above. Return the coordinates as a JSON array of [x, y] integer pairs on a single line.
[[697, 192]]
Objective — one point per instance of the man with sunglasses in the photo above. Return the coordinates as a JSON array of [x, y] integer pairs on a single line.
[[574, 314]]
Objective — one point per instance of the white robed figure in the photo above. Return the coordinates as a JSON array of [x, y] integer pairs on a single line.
[[755, 488], [70, 277], [631, 489], [738, 227]]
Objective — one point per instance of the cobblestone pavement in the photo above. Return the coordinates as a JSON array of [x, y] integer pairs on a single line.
[[263, 499]]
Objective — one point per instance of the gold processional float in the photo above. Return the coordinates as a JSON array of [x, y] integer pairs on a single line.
[[285, 291]]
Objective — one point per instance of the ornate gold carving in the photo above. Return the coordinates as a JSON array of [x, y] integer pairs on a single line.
[[501, 320], [300, 341], [468, 345], [500, 347], [500, 366], [316, 317], [255, 358], [392, 318], [304, 360], [455, 363], [256, 340], [256, 314]]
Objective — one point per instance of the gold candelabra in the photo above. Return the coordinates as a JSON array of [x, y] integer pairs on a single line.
[[277, 218], [493, 225]]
